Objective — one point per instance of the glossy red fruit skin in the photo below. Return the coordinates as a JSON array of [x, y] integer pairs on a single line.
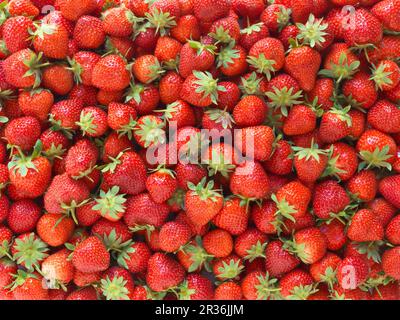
[[91, 256], [279, 261]]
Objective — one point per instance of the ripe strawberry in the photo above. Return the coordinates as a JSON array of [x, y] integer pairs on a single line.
[[93, 121], [147, 68], [15, 32], [91, 255], [303, 58], [259, 285], [179, 112], [141, 209], [366, 29], [351, 272], [195, 56], [335, 125], [170, 86], [209, 11], [309, 163], [202, 202], [149, 131], [233, 217], [386, 187], [57, 269], [58, 78], [82, 66], [228, 291], [300, 120], [384, 116], [55, 229], [163, 272], [309, 245], [64, 194], [161, 185], [334, 233], [135, 257], [117, 284], [23, 132], [81, 159], [187, 27], [127, 171], [36, 103], [250, 244], [363, 185], [387, 12], [30, 175], [280, 162], [324, 269], [65, 114], [87, 293], [392, 230], [249, 181], [250, 111], [329, 200], [382, 209], [390, 262], [173, 235], [365, 227], [72, 9], [248, 9], [376, 149], [110, 73], [296, 284], [386, 75], [196, 287], [119, 21], [218, 243], [267, 55], [29, 286], [23, 216]]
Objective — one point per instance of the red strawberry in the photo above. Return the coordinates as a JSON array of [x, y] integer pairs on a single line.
[[57, 269], [196, 287], [163, 272], [91, 255], [72, 9], [335, 125], [135, 257], [365, 227], [195, 56], [351, 272], [388, 13], [81, 159], [363, 185], [55, 229], [296, 284], [28, 286], [233, 217], [386, 187], [228, 291], [209, 11], [23, 216], [218, 243], [390, 262]]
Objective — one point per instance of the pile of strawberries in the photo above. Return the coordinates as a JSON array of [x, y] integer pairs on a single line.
[[89, 89]]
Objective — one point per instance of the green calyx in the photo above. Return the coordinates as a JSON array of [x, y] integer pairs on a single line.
[[302, 292], [313, 32], [342, 114], [283, 17], [30, 251], [184, 292], [151, 132], [297, 249], [134, 91], [205, 191], [267, 288], [143, 227], [86, 123], [285, 210], [219, 164], [262, 65], [199, 257], [160, 20], [69, 209], [127, 129], [110, 203], [114, 243], [5, 95], [221, 35], [56, 126], [376, 159], [252, 28], [308, 153], [342, 70], [251, 85], [231, 270], [380, 76], [329, 277], [34, 65], [207, 85], [284, 98], [54, 152], [371, 249], [76, 69], [43, 29], [227, 55], [21, 164], [112, 165], [114, 289], [256, 251], [5, 250], [19, 279], [200, 47]]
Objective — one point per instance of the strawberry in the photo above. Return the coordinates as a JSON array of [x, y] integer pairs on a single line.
[[388, 115], [209, 11], [163, 272], [296, 284], [161, 185], [29, 286], [93, 121], [363, 185], [366, 29], [351, 272], [22, 7], [196, 287], [126, 164], [91, 255], [365, 227], [233, 217], [29, 251], [324, 269], [170, 86], [65, 114], [330, 199], [300, 120], [23, 216], [386, 75], [232, 60], [149, 131], [58, 78], [195, 56], [376, 149], [117, 284], [228, 291], [147, 68], [334, 233], [55, 229], [36, 103], [30, 175], [225, 30], [386, 187], [250, 244], [141, 209], [343, 161], [81, 159], [119, 21], [259, 285], [309, 245], [87, 293], [23, 132], [16, 33], [390, 262], [267, 55], [387, 12], [82, 66], [218, 243], [250, 111], [382, 209], [110, 73], [335, 125], [202, 202], [297, 60], [134, 257], [280, 162], [309, 163], [250, 9], [200, 89], [186, 28], [72, 9], [250, 181], [173, 235], [179, 112], [57, 269], [64, 194], [360, 90], [392, 230]]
